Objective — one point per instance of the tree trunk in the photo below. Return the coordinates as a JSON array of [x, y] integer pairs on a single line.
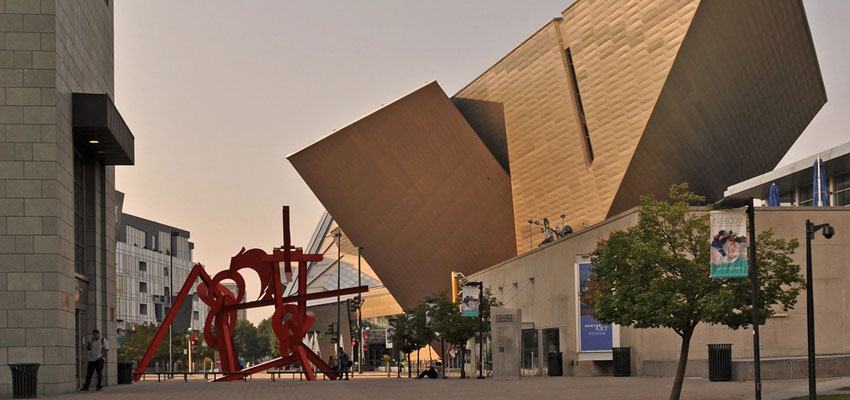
[[409, 367], [683, 363], [417, 362]]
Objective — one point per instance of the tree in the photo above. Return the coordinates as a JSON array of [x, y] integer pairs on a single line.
[[423, 332], [448, 323], [656, 274], [264, 329], [404, 337], [248, 342]]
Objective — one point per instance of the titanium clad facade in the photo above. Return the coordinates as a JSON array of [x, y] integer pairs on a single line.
[[610, 101], [415, 187]]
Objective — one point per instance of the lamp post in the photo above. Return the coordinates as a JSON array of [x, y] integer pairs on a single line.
[[480, 327], [338, 237], [828, 232], [171, 235], [738, 202], [359, 316], [530, 235]]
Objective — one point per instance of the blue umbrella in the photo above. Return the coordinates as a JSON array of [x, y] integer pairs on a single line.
[[773, 199], [820, 196]]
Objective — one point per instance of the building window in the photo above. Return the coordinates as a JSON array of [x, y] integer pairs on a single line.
[[165, 271], [79, 216], [806, 193], [842, 190], [143, 266], [166, 292], [579, 105], [143, 287], [196, 315], [143, 309], [786, 199]]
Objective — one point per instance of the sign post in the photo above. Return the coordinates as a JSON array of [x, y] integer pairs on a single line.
[[732, 203], [470, 306]]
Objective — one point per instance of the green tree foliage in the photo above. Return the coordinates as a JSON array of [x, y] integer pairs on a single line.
[[656, 274], [139, 337], [264, 329], [447, 322], [248, 342]]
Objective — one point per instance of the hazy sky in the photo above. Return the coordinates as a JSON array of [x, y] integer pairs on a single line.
[[218, 93]]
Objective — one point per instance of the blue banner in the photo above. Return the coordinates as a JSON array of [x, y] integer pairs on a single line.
[[595, 336]]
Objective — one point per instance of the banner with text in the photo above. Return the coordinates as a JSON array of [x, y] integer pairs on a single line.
[[728, 244], [470, 301], [595, 336], [390, 332]]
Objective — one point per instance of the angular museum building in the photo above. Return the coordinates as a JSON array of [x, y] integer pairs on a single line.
[[610, 101]]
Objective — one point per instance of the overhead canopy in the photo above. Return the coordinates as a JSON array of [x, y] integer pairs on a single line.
[[99, 130]]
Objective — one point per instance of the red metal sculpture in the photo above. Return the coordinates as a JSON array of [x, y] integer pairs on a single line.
[[290, 320]]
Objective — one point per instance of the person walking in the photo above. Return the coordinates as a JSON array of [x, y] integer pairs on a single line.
[[344, 363], [96, 354]]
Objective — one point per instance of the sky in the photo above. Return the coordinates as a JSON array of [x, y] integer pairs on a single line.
[[218, 93]]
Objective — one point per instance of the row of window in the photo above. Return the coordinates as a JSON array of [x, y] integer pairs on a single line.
[[803, 195], [143, 267], [143, 310]]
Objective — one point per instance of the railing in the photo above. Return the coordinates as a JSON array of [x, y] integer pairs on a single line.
[[170, 375]]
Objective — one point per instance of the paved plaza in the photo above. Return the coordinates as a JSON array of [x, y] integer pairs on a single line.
[[377, 387]]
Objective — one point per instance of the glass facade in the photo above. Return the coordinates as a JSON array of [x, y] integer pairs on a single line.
[[144, 277]]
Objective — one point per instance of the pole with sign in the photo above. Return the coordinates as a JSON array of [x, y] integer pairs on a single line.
[[470, 306], [737, 203]]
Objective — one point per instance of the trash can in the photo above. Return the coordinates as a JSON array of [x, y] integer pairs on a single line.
[[622, 361], [556, 364], [720, 362], [24, 380], [125, 372]]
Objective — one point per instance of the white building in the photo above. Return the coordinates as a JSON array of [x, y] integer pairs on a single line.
[[148, 270]]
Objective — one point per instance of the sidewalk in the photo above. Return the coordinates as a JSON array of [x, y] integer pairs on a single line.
[[374, 386]]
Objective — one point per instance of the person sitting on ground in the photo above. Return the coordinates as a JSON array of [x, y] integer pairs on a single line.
[[431, 373]]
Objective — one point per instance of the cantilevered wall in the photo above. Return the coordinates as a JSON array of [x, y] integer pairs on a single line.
[[414, 186]]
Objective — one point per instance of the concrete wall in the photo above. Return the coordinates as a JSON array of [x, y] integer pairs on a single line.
[[551, 302], [49, 49]]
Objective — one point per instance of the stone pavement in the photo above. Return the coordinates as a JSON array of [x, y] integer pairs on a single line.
[[379, 387]]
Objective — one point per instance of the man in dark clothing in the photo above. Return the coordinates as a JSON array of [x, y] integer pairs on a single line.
[[96, 354], [431, 373], [344, 363]]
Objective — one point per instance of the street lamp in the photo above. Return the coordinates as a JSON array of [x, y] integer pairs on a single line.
[[828, 232], [530, 235], [480, 326], [172, 235], [359, 315], [738, 202], [338, 237]]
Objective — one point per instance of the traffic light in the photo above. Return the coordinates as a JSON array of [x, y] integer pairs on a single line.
[[331, 328]]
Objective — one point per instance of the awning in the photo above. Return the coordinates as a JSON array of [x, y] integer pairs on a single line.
[[99, 130]]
